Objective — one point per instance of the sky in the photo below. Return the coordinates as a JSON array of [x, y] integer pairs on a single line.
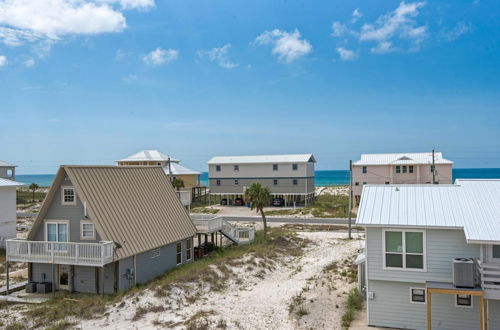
[[93, 81]]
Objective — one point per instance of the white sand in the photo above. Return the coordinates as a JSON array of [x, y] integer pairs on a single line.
[[252, 303]]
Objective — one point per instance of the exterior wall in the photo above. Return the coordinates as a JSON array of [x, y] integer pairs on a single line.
[[441, 247], [7, 214], [494, 314], [84, 279], [71, 213], [124, 282], [285, 185], [261, 170], [190, 180], [4, 173], [391, 307], [39, 270]]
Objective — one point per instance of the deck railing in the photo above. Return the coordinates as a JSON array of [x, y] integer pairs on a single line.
[[490, 276], [238, 234], [69, 253]]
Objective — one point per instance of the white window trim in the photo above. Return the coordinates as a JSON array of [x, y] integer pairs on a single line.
[[57, 222], [178, 253], [424, 250], [87, 222], [62, 195], [464, 306], [418, 302], [190, 249]]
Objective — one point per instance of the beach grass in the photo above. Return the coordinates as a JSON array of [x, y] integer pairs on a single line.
[[325, 206], [26, 196]]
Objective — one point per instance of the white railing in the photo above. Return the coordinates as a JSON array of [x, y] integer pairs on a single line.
[[490, 275], [69, 253], [238, 234]]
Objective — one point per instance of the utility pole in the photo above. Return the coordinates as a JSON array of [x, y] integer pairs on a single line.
[[169, 169], [350, 197], [433, 168]]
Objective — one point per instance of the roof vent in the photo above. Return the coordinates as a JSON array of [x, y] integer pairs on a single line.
[[397, 189]]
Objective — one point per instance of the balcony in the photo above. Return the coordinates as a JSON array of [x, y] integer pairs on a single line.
[[490, 279], [67, 253]]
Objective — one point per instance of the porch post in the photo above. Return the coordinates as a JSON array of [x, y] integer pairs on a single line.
[[7, 275], [429, 315], [53, 277], [481, 313]]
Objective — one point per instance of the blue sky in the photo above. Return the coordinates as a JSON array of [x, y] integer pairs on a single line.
[[89, 82]]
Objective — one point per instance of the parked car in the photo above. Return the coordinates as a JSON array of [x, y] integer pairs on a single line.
[[239, 202], [278, 202]]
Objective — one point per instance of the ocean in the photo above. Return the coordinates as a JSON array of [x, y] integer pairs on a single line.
[[323, 178]]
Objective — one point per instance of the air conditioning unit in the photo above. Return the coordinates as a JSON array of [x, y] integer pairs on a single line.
[[463, 272]]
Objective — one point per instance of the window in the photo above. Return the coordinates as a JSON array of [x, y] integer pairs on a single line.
[[404, 169], [159, 164], [356, 184], [410, 169], [364, 183], [178, 253], [236, 168], [155, 253], [365, 170], [218, 182], [398, 169], [295, 167], [417, 295], [87, 230], [10, 173], [275, 182], [387, 182], [68, 196], [236, 182], [57, 232], [404, 249], [188, 249], [275, 167], [217, 168], [496, 251], [463, 300], [295, 182]]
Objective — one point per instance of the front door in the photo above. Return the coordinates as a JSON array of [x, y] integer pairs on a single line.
[[64, 271]]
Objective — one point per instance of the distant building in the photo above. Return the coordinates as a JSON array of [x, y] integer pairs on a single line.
[[290, 177], [399, 168], [7, 170], [8, 209]]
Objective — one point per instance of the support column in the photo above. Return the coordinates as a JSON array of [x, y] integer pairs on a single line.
[[7, 275], [429, 313], [53, 279], [481, 312]]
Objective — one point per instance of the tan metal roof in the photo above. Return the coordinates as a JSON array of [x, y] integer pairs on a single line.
[[135, 206]]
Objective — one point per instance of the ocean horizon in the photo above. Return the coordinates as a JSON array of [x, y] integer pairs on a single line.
[[322, 177]]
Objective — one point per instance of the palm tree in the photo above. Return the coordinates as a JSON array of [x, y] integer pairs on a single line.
[[33, 187], [177, 183], [258, 196]]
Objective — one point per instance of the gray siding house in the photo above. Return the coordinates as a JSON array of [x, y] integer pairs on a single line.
[[103, 229], [290, 177], [413, 235]]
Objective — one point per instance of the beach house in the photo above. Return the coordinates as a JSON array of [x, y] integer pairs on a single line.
[[103, 229], [7, 171], [432, 255], [289, 177], [400, 168], [8, 208], [171, 166]]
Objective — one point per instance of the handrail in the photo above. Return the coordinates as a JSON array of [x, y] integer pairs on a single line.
[[238, 234], [71, 253], [490, 275]]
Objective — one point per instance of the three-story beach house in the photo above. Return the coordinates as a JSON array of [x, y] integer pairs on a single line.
[[103, 229], [289, 177], [400, 168], [432, 255]]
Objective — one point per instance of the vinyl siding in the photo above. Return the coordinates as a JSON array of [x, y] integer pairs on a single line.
[[84, 279], [260, 170], [391, 307], [494, 314], [285, 185], [441, 245], [123, 282], [7, 214], [38, 271]]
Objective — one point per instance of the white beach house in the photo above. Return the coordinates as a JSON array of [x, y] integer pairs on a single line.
[[7, 201], [432, 255], [400, 168]]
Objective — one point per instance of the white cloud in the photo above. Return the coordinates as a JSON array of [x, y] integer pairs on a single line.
[[131, 78], [383, 47], [3, 60], [356, 15], [396, 24], [137, 4], [347, 54], [338, 29], [219, 55], [457, 31], [29, 63], [288, 46], [161, 56]]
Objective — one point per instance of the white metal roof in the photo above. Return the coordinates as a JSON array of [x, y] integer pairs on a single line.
[[9, 183], [469, 204], [402, 159], [5, 164], [178, 169], [298, 158], [148, 156]]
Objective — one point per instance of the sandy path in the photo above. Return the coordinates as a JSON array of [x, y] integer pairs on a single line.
[[251, 303]]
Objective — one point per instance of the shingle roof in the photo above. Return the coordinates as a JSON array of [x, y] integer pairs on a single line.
[[299, 158], [468, 204], [402, 159], [5, 164], [135, 206], [9, 183], [178, 169], [147, 155]]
